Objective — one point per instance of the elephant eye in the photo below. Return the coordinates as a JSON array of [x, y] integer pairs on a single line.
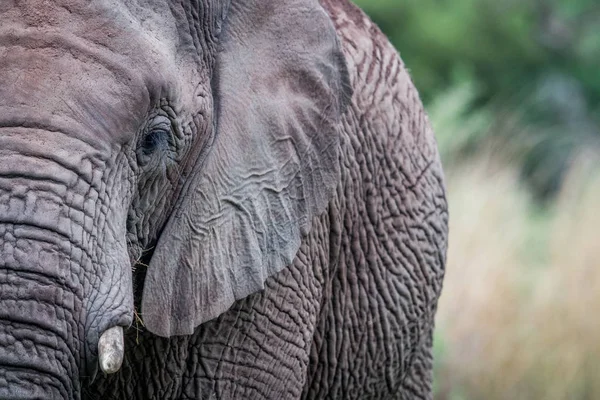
[[157, 137]]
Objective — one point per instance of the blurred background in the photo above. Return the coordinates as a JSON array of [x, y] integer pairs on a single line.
[[512, 88]]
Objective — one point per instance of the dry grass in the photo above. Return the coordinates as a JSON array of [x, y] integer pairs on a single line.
[[518, 318]]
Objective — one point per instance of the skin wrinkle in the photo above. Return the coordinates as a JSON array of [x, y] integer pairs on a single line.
[[45, 346], [49, 122], [27, 322], [75, 288], [17, 333], [38, 156], [79, 48], [65, 237], [42, 280]]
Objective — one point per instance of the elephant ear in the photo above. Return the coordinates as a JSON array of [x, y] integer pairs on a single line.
[[281, 87]]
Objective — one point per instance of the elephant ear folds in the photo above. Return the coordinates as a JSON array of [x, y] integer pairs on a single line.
[[281, 88]]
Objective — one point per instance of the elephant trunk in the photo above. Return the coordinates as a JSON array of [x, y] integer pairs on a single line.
[[39, 336], [65, 276]]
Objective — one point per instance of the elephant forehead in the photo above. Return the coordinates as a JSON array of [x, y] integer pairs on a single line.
[[97, 65], [98, 21]]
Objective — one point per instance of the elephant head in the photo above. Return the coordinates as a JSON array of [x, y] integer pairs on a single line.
[[200, 135]]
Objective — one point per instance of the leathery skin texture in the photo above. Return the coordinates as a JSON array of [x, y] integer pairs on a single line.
[[352, 318], [112, 112]]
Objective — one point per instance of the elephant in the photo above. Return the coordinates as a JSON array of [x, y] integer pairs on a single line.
[[213, 199]]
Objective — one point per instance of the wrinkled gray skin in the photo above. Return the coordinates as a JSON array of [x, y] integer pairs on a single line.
[[176, 157]]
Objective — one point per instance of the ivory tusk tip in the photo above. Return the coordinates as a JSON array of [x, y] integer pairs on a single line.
[[111, 349]]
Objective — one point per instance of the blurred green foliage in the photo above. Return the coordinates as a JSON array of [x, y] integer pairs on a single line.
[[521, 74]]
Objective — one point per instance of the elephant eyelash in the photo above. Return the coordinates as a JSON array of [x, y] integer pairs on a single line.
[[155, 140], [158, 136]]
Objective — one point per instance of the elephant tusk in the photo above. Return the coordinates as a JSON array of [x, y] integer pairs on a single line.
[[111, 348]]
